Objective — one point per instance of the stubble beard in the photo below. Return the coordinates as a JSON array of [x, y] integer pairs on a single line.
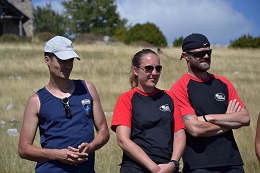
[[200, 66]]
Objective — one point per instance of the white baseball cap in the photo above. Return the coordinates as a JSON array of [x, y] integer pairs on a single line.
[[61, 47]]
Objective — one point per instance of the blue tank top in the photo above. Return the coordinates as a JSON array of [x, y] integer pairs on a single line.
[[58, 132]]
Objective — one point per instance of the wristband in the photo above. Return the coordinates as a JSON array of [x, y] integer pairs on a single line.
[[175, 163], [205, 118]]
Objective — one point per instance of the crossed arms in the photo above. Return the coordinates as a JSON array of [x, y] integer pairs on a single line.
[[235, 117]]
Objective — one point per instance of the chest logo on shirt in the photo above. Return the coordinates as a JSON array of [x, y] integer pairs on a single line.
[[86, 103], [165, 108], [220, 97]]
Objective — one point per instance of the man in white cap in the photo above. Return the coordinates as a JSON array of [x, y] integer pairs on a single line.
[[66, 112], [210, 108]]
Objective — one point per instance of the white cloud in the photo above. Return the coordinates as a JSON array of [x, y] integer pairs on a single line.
[[215, 18], [175, 18]]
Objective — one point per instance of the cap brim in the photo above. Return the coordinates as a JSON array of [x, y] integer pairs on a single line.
[[65, 55]]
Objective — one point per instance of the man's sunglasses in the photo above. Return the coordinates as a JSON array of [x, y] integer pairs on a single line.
[[200, 54], [66, 105], [150, 68]]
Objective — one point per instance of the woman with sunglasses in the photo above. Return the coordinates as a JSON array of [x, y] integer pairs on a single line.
[[147, 123]]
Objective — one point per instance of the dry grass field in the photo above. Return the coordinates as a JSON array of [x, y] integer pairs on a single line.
[[23, 71]]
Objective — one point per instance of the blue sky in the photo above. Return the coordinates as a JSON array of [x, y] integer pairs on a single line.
[[220, 20]]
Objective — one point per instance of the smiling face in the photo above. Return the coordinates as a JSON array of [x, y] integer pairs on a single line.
[[147, 78]]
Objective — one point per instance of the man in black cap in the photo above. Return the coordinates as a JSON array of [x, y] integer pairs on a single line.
[[211, 108]]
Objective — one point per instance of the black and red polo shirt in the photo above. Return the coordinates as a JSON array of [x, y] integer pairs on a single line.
[[202, 97], [153, 119]]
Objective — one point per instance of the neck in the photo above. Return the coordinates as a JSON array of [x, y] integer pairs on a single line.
[[60, 88], [199, 75], [146, 90]]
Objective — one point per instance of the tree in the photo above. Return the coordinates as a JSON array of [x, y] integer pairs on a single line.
[[246, 41], [45, 19], [121, 34], [178, 42], [148, 32], [98, 17]]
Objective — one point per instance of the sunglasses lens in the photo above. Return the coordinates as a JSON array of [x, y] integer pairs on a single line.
[[65, 102], [209, 52], [67, 111], [158, 68], [149, 68], [201, 54]]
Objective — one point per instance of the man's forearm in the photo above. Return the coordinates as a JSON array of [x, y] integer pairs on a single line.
[[197, 127], [230, 120]]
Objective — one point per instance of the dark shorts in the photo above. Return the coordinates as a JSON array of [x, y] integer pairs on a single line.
[[223, 169]]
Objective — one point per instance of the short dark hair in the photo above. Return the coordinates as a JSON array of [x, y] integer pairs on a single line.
[[49, 54]]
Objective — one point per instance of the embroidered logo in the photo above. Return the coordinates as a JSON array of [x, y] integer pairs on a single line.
[[86, 103], [205, 44], [165, 108], [220, 97]]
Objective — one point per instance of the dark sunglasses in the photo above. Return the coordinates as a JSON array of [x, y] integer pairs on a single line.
[[150, 68], [200, 54], [66, 105]]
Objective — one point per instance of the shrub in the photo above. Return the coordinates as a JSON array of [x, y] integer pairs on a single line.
[[120, 34], [246, 41], [142, 43], [88, 38], [45, 36], [178, 42], [148, 32], [13, 38], [9, 38]]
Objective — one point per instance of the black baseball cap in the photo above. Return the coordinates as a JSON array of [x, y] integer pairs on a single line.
[[195, 41]]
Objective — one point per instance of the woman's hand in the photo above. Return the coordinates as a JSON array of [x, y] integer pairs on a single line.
[[166, 168]]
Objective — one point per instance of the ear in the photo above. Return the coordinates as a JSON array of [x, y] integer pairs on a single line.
[[185, 55], [47, 59], [135, 71]]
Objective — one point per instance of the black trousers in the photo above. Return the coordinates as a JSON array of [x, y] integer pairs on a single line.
[[127, 169], [223, 169]]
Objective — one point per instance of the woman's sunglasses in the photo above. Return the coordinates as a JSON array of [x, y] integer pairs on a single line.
[[66, 105], [200, 54], [150, 68]]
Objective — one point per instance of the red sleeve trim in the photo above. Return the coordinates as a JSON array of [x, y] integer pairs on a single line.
[[123, 111], [179, 90]]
